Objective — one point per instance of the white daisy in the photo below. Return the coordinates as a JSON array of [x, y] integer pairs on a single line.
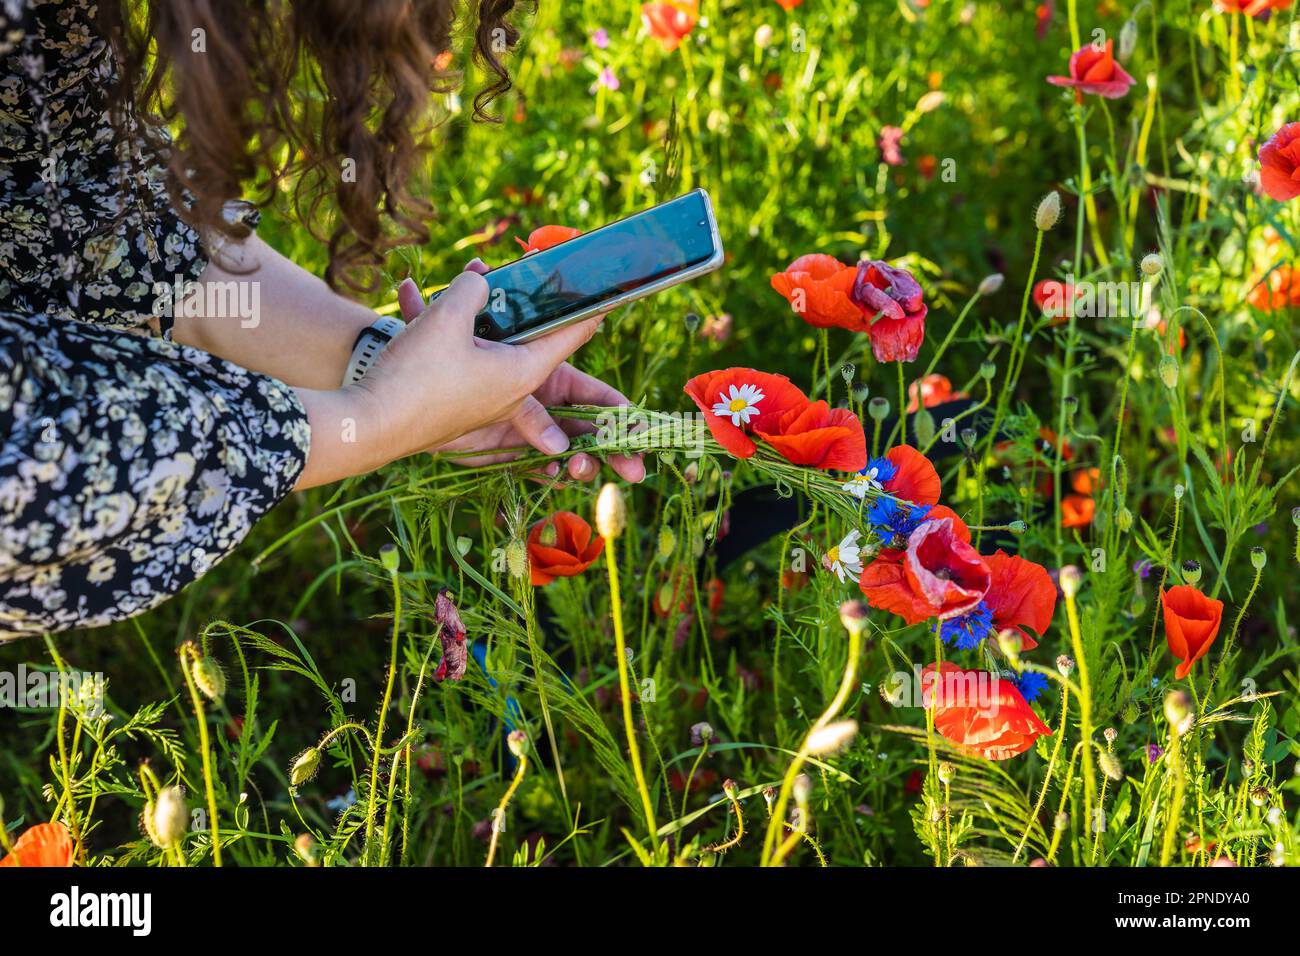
[[740, 406], [863, 482], [845, 557]]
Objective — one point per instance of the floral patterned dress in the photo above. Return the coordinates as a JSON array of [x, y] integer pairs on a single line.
[[129, 465]]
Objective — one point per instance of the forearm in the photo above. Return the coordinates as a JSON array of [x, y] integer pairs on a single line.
[[267, 314]]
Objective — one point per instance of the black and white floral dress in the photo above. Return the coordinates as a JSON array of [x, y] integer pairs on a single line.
[[129, 465]]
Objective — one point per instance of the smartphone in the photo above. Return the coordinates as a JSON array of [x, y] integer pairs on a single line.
[[601, 270]]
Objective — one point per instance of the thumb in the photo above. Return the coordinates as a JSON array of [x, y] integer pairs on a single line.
[[455, 308], [410, 300], [546, 353]]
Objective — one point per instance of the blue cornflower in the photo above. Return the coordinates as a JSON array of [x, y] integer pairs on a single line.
[[1029, 684], [967, 630], [890, 517]]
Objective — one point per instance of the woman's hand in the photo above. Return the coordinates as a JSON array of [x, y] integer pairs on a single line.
[[531, 424], [438, 387]]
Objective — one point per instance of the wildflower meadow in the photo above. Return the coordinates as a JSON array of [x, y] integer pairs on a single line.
[[970, 527]]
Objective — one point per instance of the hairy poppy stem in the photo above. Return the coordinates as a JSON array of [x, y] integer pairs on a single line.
[[187, 652], [1051, 765], [499, 817], [1085, 706], [383, 713]]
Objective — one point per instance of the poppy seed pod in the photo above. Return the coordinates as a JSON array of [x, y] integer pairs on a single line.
[[1192, 572], [1018, 527], [1065, 665], [1048, 212], [988, 369], [946, 772], [1152, 264], [611, 512], [304, 766], [517, 558], [1295, 516], [991, 283], [847, 371], [1111, 734], [878, 408], [168, 820], [1169, 371], [208, 678], [1258, 558], [389, 558]]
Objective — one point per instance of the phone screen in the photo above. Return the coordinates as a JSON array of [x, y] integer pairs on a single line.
[[596, 267]]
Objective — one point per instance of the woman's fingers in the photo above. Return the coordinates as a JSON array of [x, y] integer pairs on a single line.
[[477, 265], [409, 299], [457, 306], [536, 426], [542, 356]]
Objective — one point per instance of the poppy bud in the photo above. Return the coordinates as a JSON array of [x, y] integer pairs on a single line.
[[1124, 519], [208, 678], [1178, 710], [1169, 371], [517, 741], [1018, 527], [1110, 733], [1152, 264], [730, 788], [878, 408], [1048, 212], [517, 558], [168, 820], [1065, 665], [1071, 577], [946, 772], [1258, 558], [692, 322], [847, 371], [307, 849], [988, 369], [832, 738], [1110, 765], [853, 615], [548, 535], [1192, 572], [611, 512], [923, 427], [991, 283], [968, 437], [389, 558], [304, 766], [1128, 38]]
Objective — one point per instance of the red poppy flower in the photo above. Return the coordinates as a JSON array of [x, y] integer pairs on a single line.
[[980, 712], [1281, 290], [740, 400], [1253, 8], [1021, 594], [1279, 163], [791, 4], [1054, 299], [46, 844], [1085, 481], [1095, 71], [1077, 511], [818, 435], [892, 301], [1191, 624], [543, 237], [934, 389], [669, 23], [939, 575], [914, 478], [560, 547], [817, 286]]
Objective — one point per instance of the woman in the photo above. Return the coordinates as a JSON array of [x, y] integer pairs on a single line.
[[143, 432]]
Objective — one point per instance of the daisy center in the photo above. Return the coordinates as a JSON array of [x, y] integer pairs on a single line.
[[833, 554], [737, 405]]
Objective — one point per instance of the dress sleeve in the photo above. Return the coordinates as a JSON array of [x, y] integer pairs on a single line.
[[129, 466]]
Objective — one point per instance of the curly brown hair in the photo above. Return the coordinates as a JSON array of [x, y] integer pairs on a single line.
[[333, 95]]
